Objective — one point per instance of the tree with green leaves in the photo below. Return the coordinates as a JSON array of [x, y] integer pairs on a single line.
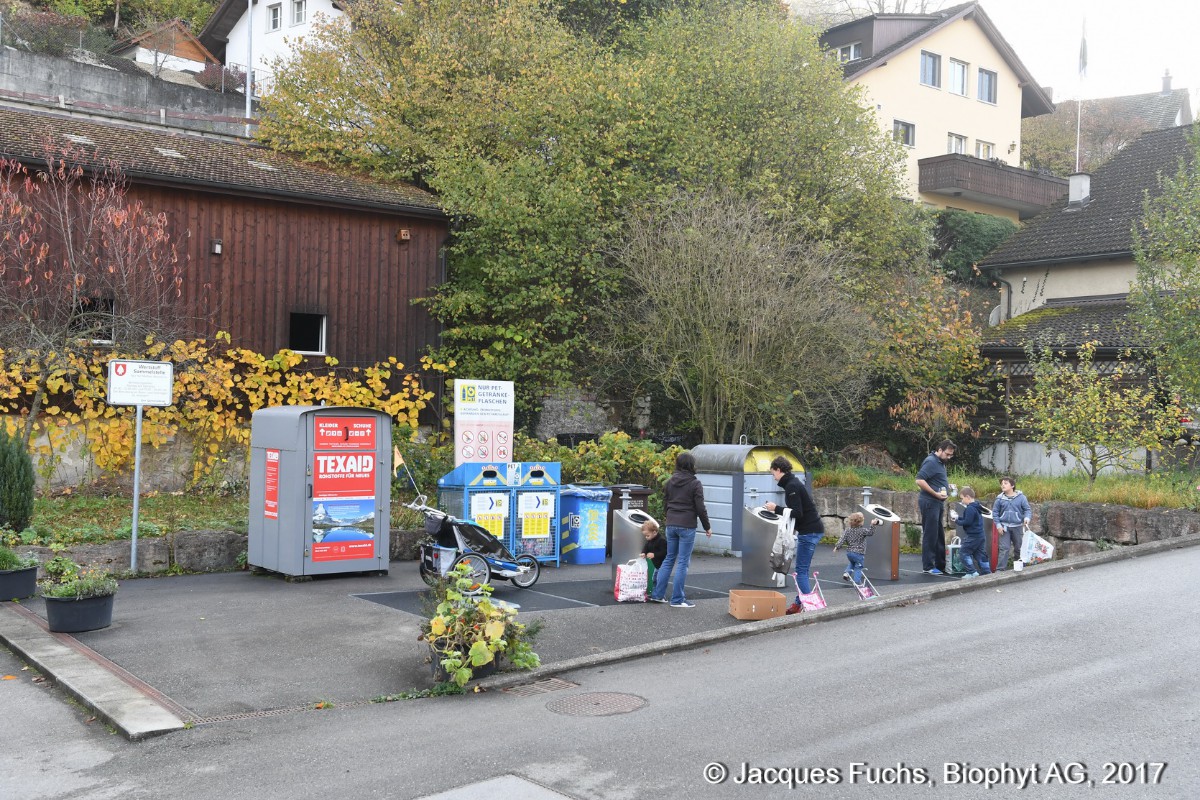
[[964, 238], [16, 482], [1166, 294], [1102, 414], [538, 141]]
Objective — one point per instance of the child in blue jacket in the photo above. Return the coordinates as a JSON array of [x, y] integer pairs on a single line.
[[973, 542]]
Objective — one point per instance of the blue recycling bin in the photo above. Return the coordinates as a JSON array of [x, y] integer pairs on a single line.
[[583, 523]]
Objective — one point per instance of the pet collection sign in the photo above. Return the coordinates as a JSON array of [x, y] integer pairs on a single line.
[[483, 421], [343, 488]]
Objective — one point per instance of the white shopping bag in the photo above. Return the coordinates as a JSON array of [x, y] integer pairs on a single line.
[[1034, 548], [631, 581]]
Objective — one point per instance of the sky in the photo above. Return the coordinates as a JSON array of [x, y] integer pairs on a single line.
[[1130, 43]]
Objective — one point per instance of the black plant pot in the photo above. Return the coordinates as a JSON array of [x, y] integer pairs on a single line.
[[441, 676], [16, 584], [68, 615]]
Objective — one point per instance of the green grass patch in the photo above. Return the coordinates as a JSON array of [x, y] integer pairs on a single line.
[[1157, 490], [74, 519]]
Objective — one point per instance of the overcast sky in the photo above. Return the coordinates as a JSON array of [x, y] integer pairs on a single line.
[[1130, 43]]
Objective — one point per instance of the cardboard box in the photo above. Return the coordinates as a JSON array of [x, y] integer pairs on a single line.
[[756, 604]]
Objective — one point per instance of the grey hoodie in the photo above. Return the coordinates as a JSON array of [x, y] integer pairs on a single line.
[[1011, 511]]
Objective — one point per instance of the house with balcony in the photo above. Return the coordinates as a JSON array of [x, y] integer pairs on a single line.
[[950, 88], [1065, 278], [251, 36]]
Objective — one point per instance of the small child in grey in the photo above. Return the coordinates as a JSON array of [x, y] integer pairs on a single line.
[[855, 538]]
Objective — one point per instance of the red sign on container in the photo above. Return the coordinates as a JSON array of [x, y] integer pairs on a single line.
[[344, 433], [271, 498]]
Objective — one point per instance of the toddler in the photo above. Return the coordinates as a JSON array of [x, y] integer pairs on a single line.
[[855, 539]]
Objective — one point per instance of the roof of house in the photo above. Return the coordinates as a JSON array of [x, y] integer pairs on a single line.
[[1067, 322], [1035, 100], [148, 155], [172, 38], [1103, 227], [1157, 109]]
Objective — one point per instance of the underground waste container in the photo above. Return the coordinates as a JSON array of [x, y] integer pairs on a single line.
[[759, 531], [883, 546], [583, 523], [627, 539], [320, 490], [627, 496]]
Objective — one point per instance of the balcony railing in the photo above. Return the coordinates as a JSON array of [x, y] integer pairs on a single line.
[[989, 181]]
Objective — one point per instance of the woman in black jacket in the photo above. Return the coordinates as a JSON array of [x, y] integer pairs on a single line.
[[683, 502], [805, 518]]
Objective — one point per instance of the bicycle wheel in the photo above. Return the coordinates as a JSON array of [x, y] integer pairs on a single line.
[[479, 572], [527, 579], [430, 578]]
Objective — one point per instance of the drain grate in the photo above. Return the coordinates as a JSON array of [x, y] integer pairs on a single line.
[[274, 712], [539, 687], [596, 704]]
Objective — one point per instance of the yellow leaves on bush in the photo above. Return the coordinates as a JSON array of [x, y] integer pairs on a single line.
[[217, 388]]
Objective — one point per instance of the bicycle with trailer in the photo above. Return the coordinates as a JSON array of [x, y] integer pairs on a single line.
[[454, 541]]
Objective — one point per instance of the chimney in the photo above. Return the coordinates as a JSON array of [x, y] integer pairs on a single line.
[[1079, 191], [1167, 82]]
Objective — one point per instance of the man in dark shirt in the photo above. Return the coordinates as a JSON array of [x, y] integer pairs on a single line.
[[935, 486]]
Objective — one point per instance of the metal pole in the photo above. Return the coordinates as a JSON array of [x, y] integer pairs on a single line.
[[249, 59], [625, 498], [866, 497], [137, 489]]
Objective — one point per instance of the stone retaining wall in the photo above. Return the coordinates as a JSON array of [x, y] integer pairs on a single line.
[[1074, 528]]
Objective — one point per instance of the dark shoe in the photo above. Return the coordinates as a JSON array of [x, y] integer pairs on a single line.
[[794, 608], [683, 604], [656, 599]]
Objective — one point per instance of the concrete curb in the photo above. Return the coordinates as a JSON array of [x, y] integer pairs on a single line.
[[116, 697], [904, 598]]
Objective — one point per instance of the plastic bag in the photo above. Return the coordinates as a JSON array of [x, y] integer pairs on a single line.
[[783, 551], [954, 562], [1034, 548], [631, 581]]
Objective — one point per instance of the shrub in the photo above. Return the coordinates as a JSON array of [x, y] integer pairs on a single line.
[[66, 579], [221, 79], [16, 482], [10, 560]]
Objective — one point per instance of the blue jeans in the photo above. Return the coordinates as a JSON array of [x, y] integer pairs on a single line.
[[856, 565], [806, 545], [679, 553], [973, 553]]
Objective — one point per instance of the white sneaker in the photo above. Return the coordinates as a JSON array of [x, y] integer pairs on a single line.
[[683, 604]]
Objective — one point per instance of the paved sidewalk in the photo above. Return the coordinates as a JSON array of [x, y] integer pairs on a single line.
[[201, 649]]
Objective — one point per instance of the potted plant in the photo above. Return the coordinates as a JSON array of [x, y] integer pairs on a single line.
[[77, 598], [18, 574], [468, 632]]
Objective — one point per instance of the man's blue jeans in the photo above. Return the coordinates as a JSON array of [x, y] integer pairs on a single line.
[[679, 553], [856, 565], [806, 545]]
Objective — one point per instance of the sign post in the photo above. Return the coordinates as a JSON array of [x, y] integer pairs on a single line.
[[139, 383], [483, 421]]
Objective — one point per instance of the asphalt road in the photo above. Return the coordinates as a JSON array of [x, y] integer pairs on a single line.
[[1062, 675]]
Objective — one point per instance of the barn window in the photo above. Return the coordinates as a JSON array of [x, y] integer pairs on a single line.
[[307, 333]]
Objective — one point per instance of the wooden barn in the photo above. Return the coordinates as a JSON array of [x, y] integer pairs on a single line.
[[279, 253]]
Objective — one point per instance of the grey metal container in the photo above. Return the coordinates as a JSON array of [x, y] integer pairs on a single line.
[[627, 539], [737, 476], [883, 548], [759, 530]]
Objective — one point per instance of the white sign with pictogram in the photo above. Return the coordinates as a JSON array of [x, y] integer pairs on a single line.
[[483, 420], [141, 383]]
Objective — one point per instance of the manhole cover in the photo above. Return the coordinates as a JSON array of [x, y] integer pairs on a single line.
[[596, 704]]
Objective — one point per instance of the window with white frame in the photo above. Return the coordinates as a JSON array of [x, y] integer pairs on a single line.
[[905, 133], [984, 149], [849, 52], [931, 69], [987, 86], [274, 17], [299, 11], [956, 143], [306, 334], [958, 77]]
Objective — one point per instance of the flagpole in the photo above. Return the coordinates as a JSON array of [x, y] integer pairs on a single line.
[[1079, 94]]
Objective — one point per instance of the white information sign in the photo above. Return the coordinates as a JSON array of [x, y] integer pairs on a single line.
[[483, 420], [141, 383]]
